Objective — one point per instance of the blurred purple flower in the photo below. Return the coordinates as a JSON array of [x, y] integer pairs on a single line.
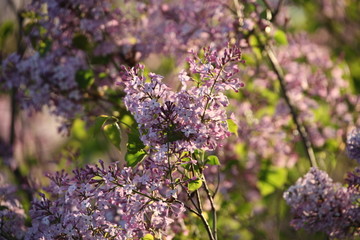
[[319, 204], [353, 145]]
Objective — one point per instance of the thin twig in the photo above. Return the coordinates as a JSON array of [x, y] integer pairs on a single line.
[[200, 208], [278, 70], [274, 12], [20, 49], [169, 166], [189, 208], [199, 213], [213, 209], [211, 90], [12, 6], [217, 184], [268, 6], [207, 226], [190, 198], [198, 200], [13, 92], [300, 128], [278, 7]]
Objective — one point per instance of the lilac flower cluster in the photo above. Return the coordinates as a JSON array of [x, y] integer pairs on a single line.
[[63, 36], [126, 203], [319, 204], [62, 21], [316, 86], [72, 39], [353, 145], [189, 24], [68, 39], [45, 81], [192, 118], [313, 82], [310, 73], [101, 202]]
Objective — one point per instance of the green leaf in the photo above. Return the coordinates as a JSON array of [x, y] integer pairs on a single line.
[[254, 43], [135, 149], [249, 59], [134, 142], [85, 78], [97, 178], [167, 65], [240, 150], [132, 159], [212, 160], [266, 14], [127, 120], [78, 129], [80, 41], [101, 60], [186, 165], [272, 178], [265, 188], [113, 133], [44, 46], [280, 37], [99, 123], [277, 176], [194, 185], [233, 127], [148, 236], [6, 29], [3, 208], [197, 154], [322, 114]]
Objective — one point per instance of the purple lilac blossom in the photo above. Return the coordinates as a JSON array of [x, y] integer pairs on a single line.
[[101, 202], [314, 84], [353, 145], [319, 204], [192, 118], [71, 37]]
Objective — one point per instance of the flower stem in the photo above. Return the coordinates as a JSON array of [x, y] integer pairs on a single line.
[[213, 209]]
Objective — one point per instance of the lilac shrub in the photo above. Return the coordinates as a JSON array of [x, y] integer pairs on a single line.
[[175, 27], [76, 48], [314, 82], [320, 94], [56, 72], [31, 78], [100, 202]]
